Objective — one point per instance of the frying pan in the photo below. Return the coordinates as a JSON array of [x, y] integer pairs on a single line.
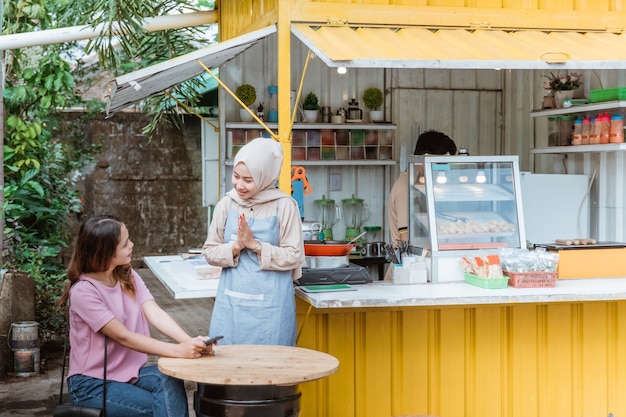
[[323, 249]]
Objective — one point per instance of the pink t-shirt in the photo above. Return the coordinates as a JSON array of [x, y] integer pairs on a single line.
[[91, 308]]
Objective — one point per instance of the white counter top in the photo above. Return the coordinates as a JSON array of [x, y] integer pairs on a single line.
[[182, 278], [384, 294]]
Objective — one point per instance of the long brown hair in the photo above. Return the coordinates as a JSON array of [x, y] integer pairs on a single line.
[[96, 244]]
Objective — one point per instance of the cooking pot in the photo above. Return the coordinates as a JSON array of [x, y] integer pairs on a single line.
[[324, 249]]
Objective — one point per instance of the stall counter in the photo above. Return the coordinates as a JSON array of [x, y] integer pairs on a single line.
[[455, 350], [386, 294]]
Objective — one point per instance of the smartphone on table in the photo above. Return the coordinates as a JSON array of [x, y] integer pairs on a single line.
[[212, 340]]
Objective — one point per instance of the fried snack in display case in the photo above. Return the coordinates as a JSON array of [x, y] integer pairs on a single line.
[[463, 206]]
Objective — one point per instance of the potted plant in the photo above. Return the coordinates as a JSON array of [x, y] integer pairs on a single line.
[[562, 86], [310, 106], [247, 94], [373, 99]]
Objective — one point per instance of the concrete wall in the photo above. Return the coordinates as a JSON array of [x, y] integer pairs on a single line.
[[155, 186]]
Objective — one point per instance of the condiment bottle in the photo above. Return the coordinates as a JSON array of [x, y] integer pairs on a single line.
[[604, 128], [617, 129], [578, 131], [593, 131], [584, 140]]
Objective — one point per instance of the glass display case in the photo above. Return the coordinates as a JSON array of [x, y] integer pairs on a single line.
[[461, 206]]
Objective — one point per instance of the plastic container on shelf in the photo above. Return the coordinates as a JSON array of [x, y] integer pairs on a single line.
[[553, 131], [594, 138], [584, 140], [565, 130], [604, 126], [577, 137], [616, 134], [272, 114], [607, 94]]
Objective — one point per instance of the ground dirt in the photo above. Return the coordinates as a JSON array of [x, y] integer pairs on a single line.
[[37, 395]]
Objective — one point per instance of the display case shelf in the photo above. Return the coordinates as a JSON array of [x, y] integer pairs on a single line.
[[469, 192]]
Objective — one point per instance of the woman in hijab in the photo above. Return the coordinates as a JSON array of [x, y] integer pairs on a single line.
[[256, 237]]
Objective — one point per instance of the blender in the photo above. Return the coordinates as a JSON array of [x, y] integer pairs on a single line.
[[354, 214], [328, 214]]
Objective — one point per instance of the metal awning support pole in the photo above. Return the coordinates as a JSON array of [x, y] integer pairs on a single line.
[[295, 107], [229, 91]]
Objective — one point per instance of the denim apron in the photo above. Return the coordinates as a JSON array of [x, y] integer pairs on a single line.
[[254, 306]]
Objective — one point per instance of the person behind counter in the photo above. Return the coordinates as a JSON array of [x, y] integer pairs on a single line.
[[430, 142], [256, 237], [107, 297]]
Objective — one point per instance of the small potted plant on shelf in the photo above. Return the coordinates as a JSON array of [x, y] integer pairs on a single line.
[[311, 107], [562, 86], [247, 94], [373, 99]]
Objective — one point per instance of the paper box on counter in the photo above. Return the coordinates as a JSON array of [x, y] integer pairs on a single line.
[[592, 263], [596, 260]]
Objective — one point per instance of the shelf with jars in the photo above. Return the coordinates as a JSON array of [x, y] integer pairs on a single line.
[[341, 143], [566, 116]]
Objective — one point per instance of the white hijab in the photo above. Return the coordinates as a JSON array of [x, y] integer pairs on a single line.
[[264, 159]]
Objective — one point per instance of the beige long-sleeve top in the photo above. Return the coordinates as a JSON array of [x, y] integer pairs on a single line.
[[288, 255]]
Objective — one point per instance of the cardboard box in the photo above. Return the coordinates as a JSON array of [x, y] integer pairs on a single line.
[[592, 263]]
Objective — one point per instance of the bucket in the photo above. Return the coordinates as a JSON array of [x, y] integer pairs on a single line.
[[23, 335], [26, 362], [246, 401]]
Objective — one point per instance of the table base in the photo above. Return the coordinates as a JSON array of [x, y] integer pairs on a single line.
[[247, 400]]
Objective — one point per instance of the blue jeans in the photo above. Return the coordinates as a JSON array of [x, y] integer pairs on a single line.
[[154, 394]]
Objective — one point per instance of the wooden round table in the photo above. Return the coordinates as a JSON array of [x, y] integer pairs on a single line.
[[250, 380]]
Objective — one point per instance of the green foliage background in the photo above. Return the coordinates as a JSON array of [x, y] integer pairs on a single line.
[[41, 169]]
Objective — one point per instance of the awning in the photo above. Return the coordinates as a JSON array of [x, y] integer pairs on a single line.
[[389, 47], [134, 87]]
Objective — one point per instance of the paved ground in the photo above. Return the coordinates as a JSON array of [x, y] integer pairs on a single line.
[[37, 395]]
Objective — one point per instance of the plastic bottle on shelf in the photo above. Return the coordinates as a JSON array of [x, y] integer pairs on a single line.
[[272, 114], [577, 138], [604, 128], [616, 134], [584, 140], [593, 131]]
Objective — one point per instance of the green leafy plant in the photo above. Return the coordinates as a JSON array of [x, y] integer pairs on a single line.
[[246, 93], [373, 98], [310, 102], [39, 164]]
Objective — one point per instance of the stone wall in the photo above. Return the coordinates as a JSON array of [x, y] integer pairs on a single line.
[[155, 186]]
